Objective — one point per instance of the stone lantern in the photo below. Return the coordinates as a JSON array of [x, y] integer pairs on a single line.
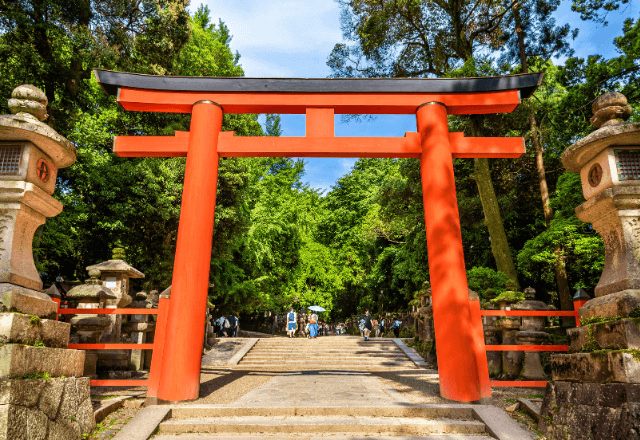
[[116, 274], [492, 335], [598, 381], [511, 360], [91, 295], [139, 326], [31, 153], [608, 161], [531, 333]]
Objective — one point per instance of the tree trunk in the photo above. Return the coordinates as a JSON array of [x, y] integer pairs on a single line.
[[564, 293], [493, 220]]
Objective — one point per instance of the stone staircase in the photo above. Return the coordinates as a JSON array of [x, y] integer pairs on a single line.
[[338, 423], [325, 389], [326, 353]]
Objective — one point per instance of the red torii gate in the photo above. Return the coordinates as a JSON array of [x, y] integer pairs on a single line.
[[462, 364]]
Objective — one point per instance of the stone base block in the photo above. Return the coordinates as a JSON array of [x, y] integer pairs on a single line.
[[45, 409], [24, 329], [90, 363], [18, 360], [617, 335], [618, 304], [590, 411], [19, 299], [114, 360], [600, 368]]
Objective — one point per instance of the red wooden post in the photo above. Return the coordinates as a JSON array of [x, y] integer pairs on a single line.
[[57, 301], [576, 308], [158, 350], [457, 359], [480, 350], [185, 321]]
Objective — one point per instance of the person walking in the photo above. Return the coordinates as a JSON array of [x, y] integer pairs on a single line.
[[292, 319], [366, 325], [396, 327], [313, 325], [382, 326], [221, 323], [232, 325], [376, 327]]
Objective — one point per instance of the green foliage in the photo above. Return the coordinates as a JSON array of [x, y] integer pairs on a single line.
[[509, 295], [480, 279]]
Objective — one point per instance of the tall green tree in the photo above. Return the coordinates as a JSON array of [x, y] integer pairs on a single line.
[[398, 38]]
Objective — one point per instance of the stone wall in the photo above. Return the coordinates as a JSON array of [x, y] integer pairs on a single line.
[[56, 409]]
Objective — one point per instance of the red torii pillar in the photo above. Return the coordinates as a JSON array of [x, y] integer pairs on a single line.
[[462, 361]]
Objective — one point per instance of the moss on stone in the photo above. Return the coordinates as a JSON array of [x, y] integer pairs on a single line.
[[34, 321]]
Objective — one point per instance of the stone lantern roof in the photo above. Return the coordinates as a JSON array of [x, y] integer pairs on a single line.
[[609, 113], [117, 266], [92, 288], [29, 105]]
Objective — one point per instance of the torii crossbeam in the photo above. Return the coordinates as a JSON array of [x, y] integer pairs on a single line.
[[462, 363]]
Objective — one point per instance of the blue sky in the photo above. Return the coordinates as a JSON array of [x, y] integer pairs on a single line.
[[293, 38]]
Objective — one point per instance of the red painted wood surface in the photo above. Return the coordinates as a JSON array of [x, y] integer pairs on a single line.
[[526, 313], [319, 122], [479, 350], [297, 103], [519, 383], [101, 346], [158, 348], [180, 378], [457, 361], [314, 146], [118, 383], [107, 311], [527, 347]]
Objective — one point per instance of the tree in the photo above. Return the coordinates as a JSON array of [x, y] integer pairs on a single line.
[[536, 35], [399, 38]]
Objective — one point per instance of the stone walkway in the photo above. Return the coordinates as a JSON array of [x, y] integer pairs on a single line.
[[320, 389]]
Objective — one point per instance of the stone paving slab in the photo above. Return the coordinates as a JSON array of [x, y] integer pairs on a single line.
[[320, 388]]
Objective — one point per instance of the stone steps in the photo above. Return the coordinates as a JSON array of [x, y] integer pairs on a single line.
[[325, 353], [314, 436], [337, 424]]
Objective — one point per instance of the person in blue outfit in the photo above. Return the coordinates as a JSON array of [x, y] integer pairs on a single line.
[[396, 327], [292, 319], [313, 325]]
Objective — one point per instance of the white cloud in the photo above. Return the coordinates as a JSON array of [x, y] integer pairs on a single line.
[[269, 29]]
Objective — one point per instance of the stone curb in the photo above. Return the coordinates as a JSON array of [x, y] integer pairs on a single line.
[[244, 350], [144, 424], [499, 424], [111, 405], [530, 408], [411, 354]]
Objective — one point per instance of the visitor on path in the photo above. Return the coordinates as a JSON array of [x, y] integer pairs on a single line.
[[223, 323], [396, 327], [232, 326], [313, 325], [361, 327], [376, 327], [326, 329], [236, 329], [292, 319], [382, 326], [366, 325]]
